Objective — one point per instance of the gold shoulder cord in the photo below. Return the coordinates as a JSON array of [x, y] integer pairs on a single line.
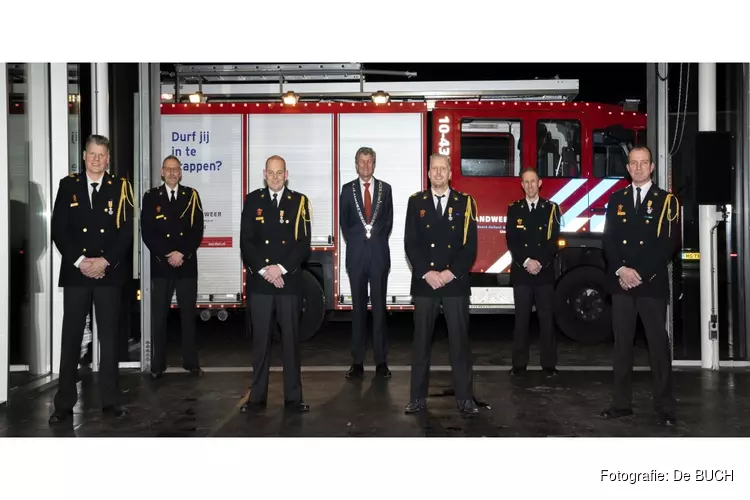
[[126, 196], [470, 204], [667, 208], [302, 214], [192, 204], [549, 223]]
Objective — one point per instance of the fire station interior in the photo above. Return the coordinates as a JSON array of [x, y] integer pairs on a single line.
[[52, 108]]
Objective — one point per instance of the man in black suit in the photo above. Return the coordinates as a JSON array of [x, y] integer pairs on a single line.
[[275, 243], [366, 219], [531, 231], [441, 244], [92, 227], [172, 228], [639, 242]]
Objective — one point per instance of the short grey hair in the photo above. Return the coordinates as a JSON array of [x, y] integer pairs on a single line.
[[438, 155], [171, 157], [97, 139], [365, 151]]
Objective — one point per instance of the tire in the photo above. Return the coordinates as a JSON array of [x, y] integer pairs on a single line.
[[583, 307], [313, 309]]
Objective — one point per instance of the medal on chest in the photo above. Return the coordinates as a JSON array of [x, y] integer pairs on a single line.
[[281, 216]]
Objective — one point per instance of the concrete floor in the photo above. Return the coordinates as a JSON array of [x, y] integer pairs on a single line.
[[709, 404]]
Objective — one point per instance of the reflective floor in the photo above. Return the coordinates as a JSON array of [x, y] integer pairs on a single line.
[[227, 344], [709, 404]]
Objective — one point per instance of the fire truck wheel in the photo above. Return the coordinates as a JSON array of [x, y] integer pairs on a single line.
[[583, 308], [313, 309]]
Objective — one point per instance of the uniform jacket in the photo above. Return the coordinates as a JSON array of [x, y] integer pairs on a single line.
[[435, 243], [643, 240], [167, 226], [361, 250], [533, 235], [271, 235], [104, 230]]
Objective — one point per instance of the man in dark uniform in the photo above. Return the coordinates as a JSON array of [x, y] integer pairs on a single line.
[[639, 242], [366, 219], [531, 231], [172, 228], [92, 227], [275, 242], [441, 244]]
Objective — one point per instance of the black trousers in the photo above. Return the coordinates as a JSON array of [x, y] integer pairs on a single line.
[[161, 298], [456, 310], [264, 311], [378, 280], [77, 302], [625, 312], [526, 296]]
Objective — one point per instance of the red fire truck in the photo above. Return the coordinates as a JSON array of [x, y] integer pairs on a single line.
[[579, 149]]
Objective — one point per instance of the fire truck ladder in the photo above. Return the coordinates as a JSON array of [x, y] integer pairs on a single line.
[[342, 82]]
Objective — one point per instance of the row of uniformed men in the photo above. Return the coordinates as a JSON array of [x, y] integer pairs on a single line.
[[92, 228]]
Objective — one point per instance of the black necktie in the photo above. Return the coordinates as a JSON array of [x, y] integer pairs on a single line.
[[532, 206], [440, 205], [638, 199], [275, 202], [172, 198], [94, 194]]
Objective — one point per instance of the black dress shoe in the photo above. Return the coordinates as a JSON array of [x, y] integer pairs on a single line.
[[299, 406], [382, 371], [415, 406], [668, 419], [156, 375], [517, 370], [249, 406], [116, 411], [550, 372], [356, 370], [60, 416], [616, 413], [468, 407], [196, 372]]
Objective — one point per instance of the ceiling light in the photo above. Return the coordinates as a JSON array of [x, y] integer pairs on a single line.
[[289, 98], [380, 97]]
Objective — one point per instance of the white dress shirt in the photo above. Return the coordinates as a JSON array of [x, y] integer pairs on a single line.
[[644, 190], [371, 189], [443, 200], [280, 194], [169, 191]]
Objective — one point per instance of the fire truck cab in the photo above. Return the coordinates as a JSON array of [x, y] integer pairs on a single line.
[[580, 152]]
